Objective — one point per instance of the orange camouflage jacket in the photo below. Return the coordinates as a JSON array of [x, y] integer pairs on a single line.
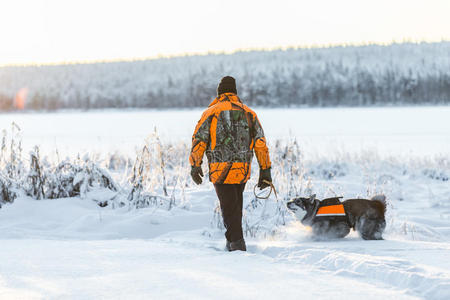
[[228, 132]]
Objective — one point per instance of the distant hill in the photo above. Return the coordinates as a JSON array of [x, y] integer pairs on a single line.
[[397, 74]]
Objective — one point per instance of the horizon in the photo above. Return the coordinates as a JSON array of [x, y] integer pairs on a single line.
[[45, 32], [232, 52]]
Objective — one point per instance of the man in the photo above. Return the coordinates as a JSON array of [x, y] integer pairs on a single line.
[[228, 132]]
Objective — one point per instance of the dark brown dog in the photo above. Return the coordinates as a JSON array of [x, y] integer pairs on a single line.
[[331, 218]]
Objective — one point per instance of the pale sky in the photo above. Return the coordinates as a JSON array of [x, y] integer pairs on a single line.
[[53, 31]]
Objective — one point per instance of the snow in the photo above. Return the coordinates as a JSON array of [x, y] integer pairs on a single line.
[[392, 130], [73, 249], [141, 269]]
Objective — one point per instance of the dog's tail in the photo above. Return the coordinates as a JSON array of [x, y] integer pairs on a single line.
[[380, 198]]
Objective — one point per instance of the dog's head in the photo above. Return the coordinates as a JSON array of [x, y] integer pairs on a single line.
[[301, 206]]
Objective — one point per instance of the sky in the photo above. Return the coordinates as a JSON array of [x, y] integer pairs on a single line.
[[56, 31]]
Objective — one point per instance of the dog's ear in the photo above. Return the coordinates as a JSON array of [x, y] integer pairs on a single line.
[[312, 198]]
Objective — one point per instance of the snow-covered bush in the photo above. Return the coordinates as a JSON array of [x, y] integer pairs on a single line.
[[436, 174], [77, 178], [43, 180], [159, 175], [11, 165], [11, 153], [7, 193], [35, 178], [157, 178], [137, 197]]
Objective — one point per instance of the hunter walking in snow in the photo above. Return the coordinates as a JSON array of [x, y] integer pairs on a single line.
[[228, 132]]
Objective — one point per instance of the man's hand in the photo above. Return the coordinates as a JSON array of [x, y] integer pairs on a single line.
[[264, 175], [197, 174]]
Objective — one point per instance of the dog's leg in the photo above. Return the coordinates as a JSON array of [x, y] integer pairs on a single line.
[[371, 229], [341, 229]]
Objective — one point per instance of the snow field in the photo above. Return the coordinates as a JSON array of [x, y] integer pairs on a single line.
[[68, 249], [140, 269], [400, 131], [73, 249]]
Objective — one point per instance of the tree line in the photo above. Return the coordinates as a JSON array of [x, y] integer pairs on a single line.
[[397, 74]]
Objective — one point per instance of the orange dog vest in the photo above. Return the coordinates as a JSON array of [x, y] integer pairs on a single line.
[[331, 210]]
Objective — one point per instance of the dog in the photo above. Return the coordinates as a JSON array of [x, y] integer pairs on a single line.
[[331, 218]]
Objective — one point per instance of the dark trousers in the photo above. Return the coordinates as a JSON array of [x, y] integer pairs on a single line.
[[231, 197]]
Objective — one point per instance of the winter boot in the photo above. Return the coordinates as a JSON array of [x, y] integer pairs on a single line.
[[227, 246], [238, 245]]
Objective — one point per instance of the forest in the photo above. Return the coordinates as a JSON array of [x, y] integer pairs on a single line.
[[396, 74]]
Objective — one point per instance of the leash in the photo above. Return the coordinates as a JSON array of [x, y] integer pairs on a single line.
[[272, 188]]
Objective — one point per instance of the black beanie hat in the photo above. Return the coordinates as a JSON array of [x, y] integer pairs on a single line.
[[226, 85]]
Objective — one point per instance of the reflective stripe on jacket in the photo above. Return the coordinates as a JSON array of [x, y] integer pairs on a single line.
[[228, 132]]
